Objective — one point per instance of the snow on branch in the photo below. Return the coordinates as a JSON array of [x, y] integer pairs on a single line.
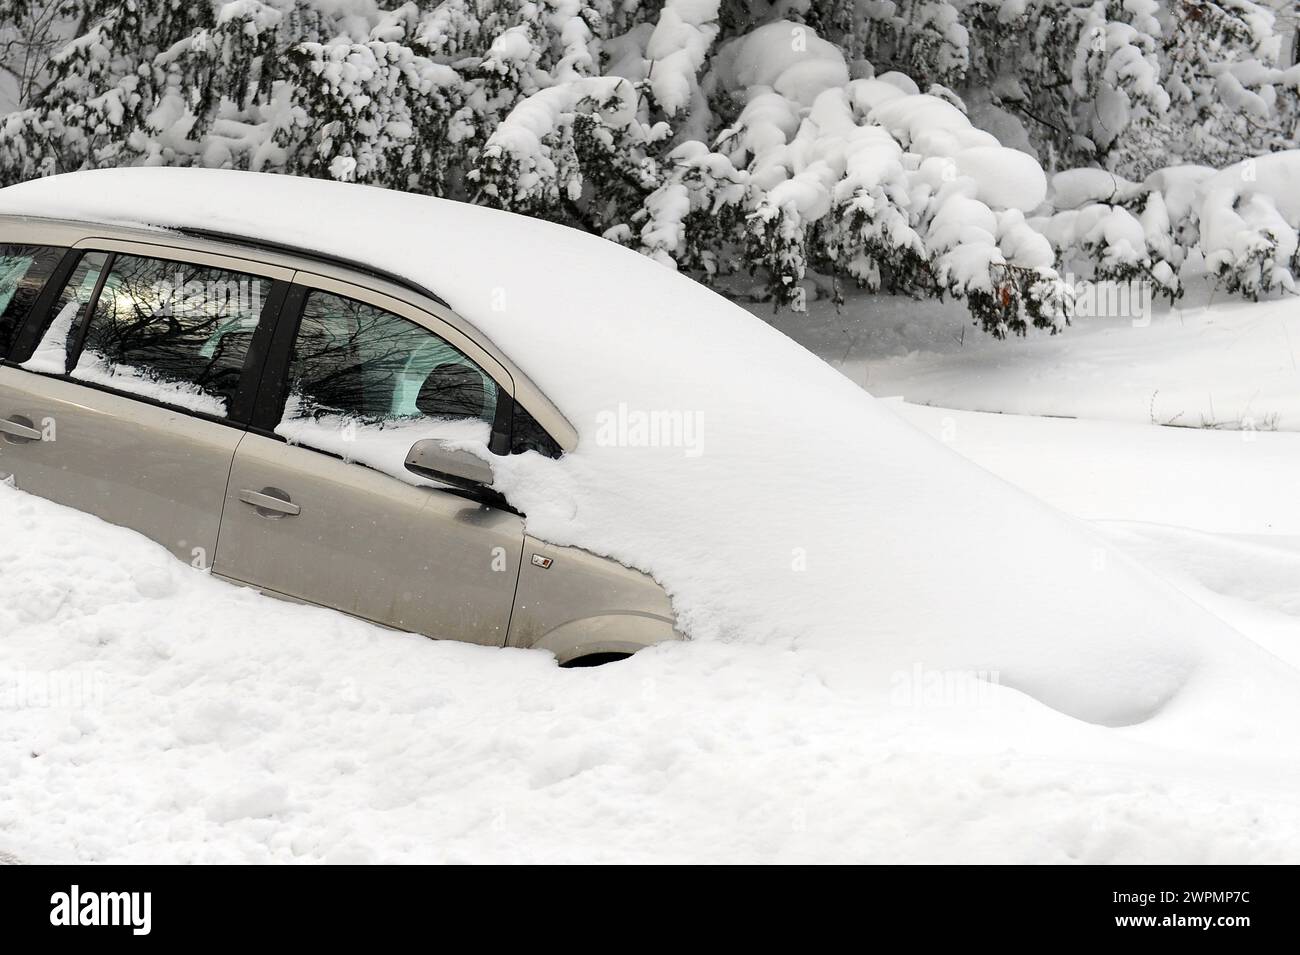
[[979, 149]]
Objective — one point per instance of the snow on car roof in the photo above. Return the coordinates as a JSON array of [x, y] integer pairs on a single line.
[[777, 501], [530, 278]]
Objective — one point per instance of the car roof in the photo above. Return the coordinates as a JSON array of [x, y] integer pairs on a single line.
[[330, 222], [322, 219], [336, 260]]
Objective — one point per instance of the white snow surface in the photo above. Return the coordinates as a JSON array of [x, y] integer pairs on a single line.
[[151, 713], [98, 369], [814, 521], [1210, 362], [51, 354], [1007, 178], [783, 56]]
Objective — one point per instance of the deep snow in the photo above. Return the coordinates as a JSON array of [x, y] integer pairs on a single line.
[[152, 713], [815, 520], [897, 656], [1210, 362], [1214, 512]]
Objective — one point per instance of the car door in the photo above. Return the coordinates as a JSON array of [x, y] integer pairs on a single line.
[[319, 505], [128, 396]]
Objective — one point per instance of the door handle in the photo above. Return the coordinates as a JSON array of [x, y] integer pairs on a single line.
[[20, 428], [270, 499]]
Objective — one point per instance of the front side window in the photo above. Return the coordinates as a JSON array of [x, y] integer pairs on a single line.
[[173, 332], [364, 381], [354, 360], [24, 269]]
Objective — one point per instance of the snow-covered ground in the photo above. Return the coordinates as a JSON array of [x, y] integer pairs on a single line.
[[1213, 512], [153, 713], [1213, 361]]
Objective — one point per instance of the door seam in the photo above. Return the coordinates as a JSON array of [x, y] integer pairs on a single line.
[[221, 517], [519, 573]]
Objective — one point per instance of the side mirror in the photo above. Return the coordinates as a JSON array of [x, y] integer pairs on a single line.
[[431, 458]]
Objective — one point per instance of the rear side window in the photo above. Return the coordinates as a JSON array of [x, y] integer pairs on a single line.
[[24, 270], [51, 354], [174, 332]]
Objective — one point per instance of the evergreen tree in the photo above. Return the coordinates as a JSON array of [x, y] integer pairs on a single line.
[[811, 145]]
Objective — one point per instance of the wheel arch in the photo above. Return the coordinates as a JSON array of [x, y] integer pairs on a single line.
[[606, 633]]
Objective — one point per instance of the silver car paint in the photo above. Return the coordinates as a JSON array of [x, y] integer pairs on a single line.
[[156, 471], [419, 559], [581, 604], [368, 544]]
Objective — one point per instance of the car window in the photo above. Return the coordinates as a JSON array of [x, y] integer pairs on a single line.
[[527, 435], [68, 313], [24, 269], [357, 361], [174, 332]]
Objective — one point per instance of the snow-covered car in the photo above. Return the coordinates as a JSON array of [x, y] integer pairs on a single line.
[[776, 501], [297, 422]]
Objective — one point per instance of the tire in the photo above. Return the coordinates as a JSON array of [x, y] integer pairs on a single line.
[[595, 660]]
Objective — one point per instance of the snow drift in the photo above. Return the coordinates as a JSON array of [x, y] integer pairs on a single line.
[[153, 714], [808, 516]]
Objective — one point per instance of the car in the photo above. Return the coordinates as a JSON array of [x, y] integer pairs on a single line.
[[224, 396]]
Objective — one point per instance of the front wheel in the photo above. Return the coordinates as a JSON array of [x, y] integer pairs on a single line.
[[595, 660]]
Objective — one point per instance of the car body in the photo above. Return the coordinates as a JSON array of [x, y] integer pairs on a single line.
[[165, 412]]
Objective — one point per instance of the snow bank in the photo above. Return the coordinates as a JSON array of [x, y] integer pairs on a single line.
[[814, 519], [1205, 363], [153, 714]]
